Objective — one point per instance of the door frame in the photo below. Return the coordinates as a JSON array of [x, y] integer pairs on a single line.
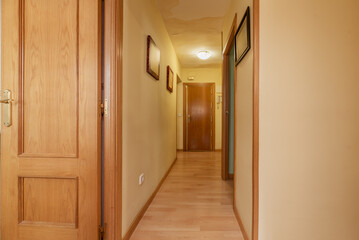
[[185, 114], [112, 132], [225, 102], [255, 176], [255, 147]]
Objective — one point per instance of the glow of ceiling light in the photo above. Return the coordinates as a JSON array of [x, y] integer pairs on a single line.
[[204, 55]]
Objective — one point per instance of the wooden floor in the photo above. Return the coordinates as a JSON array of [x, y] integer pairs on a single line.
[[193, 203]]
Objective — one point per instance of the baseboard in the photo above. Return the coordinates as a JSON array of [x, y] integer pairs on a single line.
[[147, 204], [179, 150], [218, 150], [239, 220]]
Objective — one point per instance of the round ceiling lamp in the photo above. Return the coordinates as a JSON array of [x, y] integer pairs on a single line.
[[204, 55]]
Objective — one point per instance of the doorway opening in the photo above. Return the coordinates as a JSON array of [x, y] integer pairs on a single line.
[[228, 114], [231, 113], [199, 121]]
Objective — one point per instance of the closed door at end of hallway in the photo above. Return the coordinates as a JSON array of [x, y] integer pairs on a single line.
[[199, 116]]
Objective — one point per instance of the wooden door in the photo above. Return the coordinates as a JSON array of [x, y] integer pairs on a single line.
[[199, 116], [50, 155], [225, 118]]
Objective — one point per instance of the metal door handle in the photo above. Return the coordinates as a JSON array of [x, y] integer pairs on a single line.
[[7, 109], [6, 101], [189, 118], [227, 112]]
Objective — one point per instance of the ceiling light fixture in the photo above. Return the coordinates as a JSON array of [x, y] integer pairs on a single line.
[[204, 55]]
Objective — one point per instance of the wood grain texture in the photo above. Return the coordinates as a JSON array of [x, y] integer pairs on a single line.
[[49, 41], [225, 118], [193, 203], [113, 35], [48, 201], [199, 104], [42, 43], [27, 232], [148, 203], [255, 120]]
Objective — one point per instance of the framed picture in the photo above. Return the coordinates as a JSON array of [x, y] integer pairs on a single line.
[[243, 38], [153, 58], [170, 78]]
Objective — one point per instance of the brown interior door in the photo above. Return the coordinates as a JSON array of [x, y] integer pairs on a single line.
[[50, 154], [199, 117], [225, 118]]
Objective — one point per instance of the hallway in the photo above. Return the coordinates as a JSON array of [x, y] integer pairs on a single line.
[[193, 203]]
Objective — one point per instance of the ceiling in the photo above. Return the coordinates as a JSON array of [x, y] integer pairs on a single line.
[[195, 25]]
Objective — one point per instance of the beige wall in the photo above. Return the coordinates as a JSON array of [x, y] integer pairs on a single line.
[[309, 120], [213, 74], [244, 120], [149, 110]]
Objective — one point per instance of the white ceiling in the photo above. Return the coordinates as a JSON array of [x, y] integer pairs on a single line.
[[195, 25]]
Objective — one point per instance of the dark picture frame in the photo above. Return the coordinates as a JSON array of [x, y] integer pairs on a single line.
[[170, 79], [243, 37], [153, 58]]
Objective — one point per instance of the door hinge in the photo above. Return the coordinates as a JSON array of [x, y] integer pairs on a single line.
[[104, 108], [101, 232]]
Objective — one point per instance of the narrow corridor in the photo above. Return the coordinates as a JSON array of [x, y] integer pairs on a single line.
[[193, 203]]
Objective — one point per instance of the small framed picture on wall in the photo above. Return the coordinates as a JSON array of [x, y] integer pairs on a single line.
[[243, 38], [153, 58], [170, 78]]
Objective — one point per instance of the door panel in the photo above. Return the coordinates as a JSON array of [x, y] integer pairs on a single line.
[[50, 45], [199, 117], [57, 207], [50, 155]]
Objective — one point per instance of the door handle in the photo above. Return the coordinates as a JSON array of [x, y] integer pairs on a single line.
[[189, 118], [6, 101], [227, 112], [7, 108]]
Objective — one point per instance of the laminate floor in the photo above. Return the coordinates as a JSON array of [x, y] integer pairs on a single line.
[[192, 204]]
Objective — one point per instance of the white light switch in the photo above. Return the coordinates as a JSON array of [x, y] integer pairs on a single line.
[[180, 114]]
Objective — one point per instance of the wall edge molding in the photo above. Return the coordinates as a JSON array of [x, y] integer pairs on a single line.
[[240, 223], [143, 210]]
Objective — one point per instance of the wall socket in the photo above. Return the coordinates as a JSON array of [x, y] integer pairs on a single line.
[[141, 179]]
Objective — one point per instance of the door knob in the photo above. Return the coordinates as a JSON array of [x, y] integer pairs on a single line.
[[7, 108]]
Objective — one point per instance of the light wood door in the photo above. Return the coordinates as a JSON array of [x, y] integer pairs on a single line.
[[50, 155], [199, 117]]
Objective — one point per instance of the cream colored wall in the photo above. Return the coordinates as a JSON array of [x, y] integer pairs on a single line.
[[201, 75], [309, 120], [149, 110], [243, 120]]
